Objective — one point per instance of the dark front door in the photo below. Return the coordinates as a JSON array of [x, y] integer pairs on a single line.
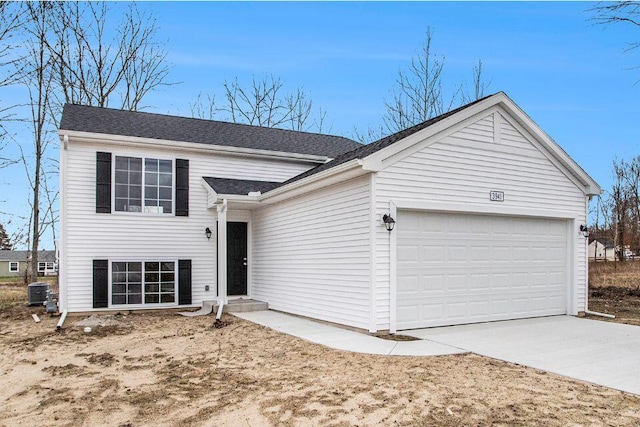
[[236, 258]]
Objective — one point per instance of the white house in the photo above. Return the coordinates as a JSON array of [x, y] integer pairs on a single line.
[[603, 249], [160, 211]]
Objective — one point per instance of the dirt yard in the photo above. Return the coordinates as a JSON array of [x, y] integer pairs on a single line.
[[614, 288], [166, 370]]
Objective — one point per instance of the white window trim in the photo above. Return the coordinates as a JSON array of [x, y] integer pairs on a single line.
[[17, 265], [143, 305], [142, 212]]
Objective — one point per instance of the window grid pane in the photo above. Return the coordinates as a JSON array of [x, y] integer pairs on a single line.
[[158, 186], [159, 288], [128, 180], [126, 281]]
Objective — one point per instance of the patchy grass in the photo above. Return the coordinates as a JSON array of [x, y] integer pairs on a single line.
[[614, 288], [12, 296], [13, 291], [619, 274]]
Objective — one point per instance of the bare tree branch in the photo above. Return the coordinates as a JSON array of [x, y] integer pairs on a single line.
[[619, 13], [263, 102]]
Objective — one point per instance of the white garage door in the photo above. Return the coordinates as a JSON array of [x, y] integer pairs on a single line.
[[459, 268]]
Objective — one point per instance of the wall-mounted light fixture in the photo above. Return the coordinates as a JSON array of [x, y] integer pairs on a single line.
[[207, 231], [584, 230], [389, 222]]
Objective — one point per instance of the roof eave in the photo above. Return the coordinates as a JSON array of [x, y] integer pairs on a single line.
[[340, 173], [103, 138]]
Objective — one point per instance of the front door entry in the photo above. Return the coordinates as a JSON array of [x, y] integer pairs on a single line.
[[236, 258]]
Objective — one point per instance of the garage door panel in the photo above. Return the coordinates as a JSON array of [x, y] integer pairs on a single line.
[[504, 268]]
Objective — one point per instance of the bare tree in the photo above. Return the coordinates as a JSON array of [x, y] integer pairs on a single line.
[[93, 68], [263, 102], [10, 20], [37, 77], [77, 52], [419, 93], [478, 85], [620, 206], [619, 13], [204, 107]]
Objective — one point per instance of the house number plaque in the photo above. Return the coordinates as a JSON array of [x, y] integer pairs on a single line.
[[496, 196]]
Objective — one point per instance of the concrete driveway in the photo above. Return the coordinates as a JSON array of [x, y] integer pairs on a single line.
[[589, 350]]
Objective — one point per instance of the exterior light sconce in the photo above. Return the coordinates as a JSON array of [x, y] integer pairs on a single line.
[[584, 230], [389, 222], [207, 231]]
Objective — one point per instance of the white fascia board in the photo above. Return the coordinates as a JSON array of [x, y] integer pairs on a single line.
[[240, 198], [101, 138], [374, 162], [334, 175], [591, 186]]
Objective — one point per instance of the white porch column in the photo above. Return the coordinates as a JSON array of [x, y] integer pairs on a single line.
[[222, 252]]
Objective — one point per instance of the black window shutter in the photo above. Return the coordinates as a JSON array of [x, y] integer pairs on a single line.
[[100, 283], [103, 182], [184, 281], [182, 187]]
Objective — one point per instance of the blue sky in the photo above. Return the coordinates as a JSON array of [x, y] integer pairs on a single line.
[[571, 76]]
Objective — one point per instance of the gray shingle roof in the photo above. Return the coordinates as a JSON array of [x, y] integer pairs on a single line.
[[159, 126], [366, 150], [21, 256], [239, 186]]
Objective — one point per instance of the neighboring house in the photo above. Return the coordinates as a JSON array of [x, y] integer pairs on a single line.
[[602, 249], [14, 263], [161, 211]]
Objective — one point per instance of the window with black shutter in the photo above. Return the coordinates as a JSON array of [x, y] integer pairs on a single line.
[[182, 187], [184, 282], [100, 283], [103, 182]]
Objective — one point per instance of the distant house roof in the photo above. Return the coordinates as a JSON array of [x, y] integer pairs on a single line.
[[173, 128], [21, 256], [606, 242], [239, 186]]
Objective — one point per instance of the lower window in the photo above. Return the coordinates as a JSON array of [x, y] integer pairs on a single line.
[[13, 267], [151, 282]]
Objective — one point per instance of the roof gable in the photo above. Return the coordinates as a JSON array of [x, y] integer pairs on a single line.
[[394, 147], [108, 121]]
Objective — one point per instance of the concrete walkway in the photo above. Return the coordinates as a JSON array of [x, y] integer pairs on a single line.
[[344, 339], [595, 351]]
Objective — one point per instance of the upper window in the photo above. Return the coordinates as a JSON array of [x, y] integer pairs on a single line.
[[132, 174], [13, 267]]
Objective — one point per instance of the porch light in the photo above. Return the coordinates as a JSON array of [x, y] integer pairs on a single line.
[[389, 222], [584, 230], [207, 231]]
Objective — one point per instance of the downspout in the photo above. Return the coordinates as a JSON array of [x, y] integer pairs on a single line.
[[586, 308], [61, 321]]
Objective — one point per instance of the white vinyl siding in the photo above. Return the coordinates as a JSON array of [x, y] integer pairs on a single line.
[[88, 235], [311, 254], [463, 168]]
